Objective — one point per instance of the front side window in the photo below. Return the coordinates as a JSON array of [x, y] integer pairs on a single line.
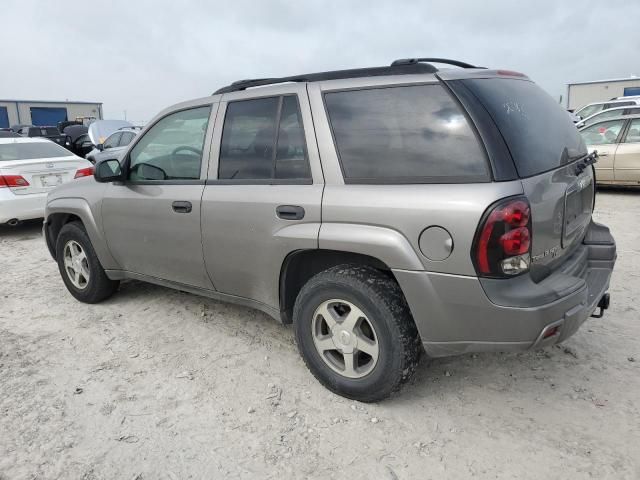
[[263, 139], [172, 148], [602, 133], [408, 134], [633, 135]]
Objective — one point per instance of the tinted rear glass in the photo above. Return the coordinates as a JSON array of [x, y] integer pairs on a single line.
[[538, 132], [408, 134], [27, 151]]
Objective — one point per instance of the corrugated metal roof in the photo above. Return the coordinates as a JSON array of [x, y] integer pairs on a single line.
[[51, 101], [611, 80]]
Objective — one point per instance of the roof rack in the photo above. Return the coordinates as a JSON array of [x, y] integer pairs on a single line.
[[395, 69], [446, 61]]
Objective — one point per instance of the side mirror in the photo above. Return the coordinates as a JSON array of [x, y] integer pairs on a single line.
[[108, 170], [100, 146]]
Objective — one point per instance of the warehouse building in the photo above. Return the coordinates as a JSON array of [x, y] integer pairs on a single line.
[[580, 94], [36, 112]]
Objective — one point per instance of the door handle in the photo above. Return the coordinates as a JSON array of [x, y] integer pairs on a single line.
[[290, 212], [182, 207], [604, 154]]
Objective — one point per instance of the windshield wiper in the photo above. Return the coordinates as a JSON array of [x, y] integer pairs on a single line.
[[588, 160]]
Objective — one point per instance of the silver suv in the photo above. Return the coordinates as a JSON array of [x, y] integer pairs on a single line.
[[381, 211]]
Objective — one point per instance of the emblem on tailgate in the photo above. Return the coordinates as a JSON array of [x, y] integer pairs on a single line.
[[552, 252]]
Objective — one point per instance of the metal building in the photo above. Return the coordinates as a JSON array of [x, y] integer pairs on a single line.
[[580, 94], [37, 112]]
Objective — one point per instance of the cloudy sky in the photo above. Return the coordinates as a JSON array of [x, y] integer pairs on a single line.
[[141, 56]]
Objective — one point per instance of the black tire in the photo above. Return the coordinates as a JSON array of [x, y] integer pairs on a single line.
[[98, 287], [381, 300]]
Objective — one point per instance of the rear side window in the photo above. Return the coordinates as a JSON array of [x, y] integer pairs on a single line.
[[539, 133], [408, 134], [603, 133], [263, 139]]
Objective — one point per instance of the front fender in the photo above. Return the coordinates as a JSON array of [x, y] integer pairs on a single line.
[[81, 209], [385, 244]]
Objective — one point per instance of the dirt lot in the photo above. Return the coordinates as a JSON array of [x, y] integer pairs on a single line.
[[158, 384]]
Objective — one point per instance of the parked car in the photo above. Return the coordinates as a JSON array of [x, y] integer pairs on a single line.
[[8, 133], [116, 143], [381, 211], [29, 169], [78, 139], [596, 107], [51, 133], [617, 141], [611, 113]]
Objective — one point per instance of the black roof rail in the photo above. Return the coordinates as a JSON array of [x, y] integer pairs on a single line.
[[446, 61], [394, 69]]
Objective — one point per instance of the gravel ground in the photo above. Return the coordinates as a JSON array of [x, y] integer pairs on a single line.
[[159, 384]]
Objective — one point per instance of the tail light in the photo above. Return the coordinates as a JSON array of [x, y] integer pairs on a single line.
[[84, 172], [502, 247], [13, 181]]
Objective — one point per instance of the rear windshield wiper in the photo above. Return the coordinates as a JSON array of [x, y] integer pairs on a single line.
[[588, 160]]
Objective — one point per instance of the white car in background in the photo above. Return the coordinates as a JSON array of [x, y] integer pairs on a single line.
[[29, 169]]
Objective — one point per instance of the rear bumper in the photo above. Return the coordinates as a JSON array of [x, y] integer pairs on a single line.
[[21, 207], [457, 314]]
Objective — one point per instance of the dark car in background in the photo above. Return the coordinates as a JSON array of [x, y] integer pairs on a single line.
[[52, 133]]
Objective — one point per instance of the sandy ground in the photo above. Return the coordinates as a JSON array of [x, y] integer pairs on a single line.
[[158, 384]]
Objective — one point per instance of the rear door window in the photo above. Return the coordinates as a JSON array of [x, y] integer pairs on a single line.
[[603, 133], [539, 133], [263, 139], [407, 134], [633, 135]]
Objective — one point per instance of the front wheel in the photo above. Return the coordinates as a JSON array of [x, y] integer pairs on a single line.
[[79, 266], [356, 333]]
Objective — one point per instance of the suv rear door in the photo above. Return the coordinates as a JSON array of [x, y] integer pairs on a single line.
[[545, 147], [604, 137], [152, 219], [263, 196]]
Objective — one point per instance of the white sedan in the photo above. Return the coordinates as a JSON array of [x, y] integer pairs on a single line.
[[29, 169]]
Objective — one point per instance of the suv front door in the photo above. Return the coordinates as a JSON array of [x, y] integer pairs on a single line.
[[152, 220], [262, 199]]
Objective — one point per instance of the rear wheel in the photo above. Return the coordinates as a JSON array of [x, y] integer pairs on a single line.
[[79, 266], [355, 332]]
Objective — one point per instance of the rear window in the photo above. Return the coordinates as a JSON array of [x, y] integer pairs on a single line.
[[408, 134], [27, 151], [539, 133]]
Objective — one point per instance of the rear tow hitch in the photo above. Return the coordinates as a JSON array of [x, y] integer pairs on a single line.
[[603, 304]]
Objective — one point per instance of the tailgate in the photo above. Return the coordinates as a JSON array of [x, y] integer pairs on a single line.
[[561, 205]]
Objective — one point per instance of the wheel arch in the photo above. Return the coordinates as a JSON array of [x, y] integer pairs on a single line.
[[61, 211], [299, 266]]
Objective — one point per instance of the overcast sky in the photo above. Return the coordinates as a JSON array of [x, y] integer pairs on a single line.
[[141, 56]]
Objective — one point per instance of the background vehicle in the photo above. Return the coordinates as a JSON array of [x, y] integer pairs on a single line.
[[381, 211], [51, 133], [617, 141], [29, 169], [4, 133], [596, 107], [16, 128], [610, 113], [115, 144]]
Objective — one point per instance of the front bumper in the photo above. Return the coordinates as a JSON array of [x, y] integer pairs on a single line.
[[21, 207], [458, 314]]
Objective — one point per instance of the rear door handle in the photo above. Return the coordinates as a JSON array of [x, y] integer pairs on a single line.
[[182, 207], [604, 154], [290, 212]]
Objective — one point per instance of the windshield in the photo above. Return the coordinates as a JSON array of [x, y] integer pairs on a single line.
[[27, 151], [537, 130], [589, 110]]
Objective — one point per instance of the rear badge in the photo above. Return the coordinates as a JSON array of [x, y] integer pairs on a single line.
[[552, 252]]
